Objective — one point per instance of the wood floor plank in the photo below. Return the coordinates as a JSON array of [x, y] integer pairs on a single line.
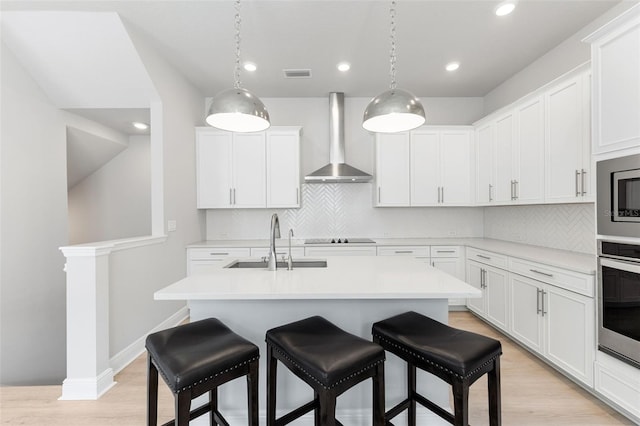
[[533, 394]]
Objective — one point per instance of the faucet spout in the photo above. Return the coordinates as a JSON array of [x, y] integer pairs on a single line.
[[274, 233]]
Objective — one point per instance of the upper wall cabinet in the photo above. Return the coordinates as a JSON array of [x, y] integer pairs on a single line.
[[430, 166], [248, 170], [568, 146], [510, 156], [615, 55]]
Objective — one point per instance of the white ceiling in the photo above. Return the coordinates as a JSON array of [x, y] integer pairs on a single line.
[[198, 38]]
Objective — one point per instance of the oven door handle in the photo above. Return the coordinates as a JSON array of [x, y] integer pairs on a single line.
[[620, 264]]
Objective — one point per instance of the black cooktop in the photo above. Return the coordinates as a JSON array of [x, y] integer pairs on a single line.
[[339, 241]]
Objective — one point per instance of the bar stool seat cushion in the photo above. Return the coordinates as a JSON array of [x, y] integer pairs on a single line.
[[199, 351], [326, 353], [425, 340]]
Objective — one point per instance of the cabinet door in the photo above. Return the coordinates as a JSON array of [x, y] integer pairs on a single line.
[[450, 265], [564, 142], [214, 168], [392, 169], [616, 107], [283, 169], [249, 170], [496, 289], [455, 167], [475, 279], [525, 322], [529, 152], [504, 173], [570, 332], [484, 164], [425, 167]]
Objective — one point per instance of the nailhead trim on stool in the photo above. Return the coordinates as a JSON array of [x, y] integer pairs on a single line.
[[196, 358], [458, 357], [330, 361]]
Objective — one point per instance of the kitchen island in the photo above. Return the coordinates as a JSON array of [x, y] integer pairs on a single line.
[[352, 292]]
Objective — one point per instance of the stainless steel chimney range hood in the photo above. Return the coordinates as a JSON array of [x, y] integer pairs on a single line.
[[337, 171]]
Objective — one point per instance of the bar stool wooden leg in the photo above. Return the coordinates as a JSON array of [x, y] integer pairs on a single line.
[[213, 404], [252, 393], [327, 408], [152, 393], [411, 392], [493, 379], [272, 365], [183, 408], [378, 396], [461, 403]]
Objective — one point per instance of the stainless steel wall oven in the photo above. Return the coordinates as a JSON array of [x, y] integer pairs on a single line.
[[619, 300]]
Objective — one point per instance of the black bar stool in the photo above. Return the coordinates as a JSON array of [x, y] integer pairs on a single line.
[[458, 357], [196, 358], [328, 359]]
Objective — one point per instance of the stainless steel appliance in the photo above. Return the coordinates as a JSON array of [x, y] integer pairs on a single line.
[[618, 199], [339, 241], [619, 300]]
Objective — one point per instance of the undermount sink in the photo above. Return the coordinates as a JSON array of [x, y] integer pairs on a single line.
[[260, 264]]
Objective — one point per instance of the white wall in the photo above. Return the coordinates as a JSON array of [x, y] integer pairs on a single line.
[[33, 226], [115, 201]]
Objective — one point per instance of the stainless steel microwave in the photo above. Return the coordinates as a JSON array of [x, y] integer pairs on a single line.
[[618, 196]]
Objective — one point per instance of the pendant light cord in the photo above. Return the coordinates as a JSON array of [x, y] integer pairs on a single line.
[[392, 72], [238, 21]]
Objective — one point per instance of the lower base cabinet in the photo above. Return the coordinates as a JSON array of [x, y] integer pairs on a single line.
[[555, 323], [493, 284]]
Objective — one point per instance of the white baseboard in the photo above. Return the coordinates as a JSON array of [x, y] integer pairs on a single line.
[[89, 388], [126, 356]]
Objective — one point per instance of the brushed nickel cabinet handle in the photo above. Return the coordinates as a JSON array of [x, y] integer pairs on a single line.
[[483, 257], [541, 273], [490, 188], [538, 291], [584, 172], [577, 188]]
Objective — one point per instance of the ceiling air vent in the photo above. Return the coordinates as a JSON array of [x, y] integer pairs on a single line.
[[297, 73]]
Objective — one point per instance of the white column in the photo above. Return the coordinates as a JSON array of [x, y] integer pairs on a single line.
[[88, 372]]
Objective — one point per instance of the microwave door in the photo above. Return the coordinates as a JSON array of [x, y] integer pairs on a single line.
[[626, 196]]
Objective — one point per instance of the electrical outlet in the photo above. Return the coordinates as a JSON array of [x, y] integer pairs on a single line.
[[172, 225]]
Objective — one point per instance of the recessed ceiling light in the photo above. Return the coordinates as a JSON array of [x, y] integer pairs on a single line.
[[505, 8], [250, 66], [452, 66], [140, 126], [344, 66]]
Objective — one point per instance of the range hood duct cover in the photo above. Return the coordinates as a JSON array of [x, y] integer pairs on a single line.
[[337, 171]]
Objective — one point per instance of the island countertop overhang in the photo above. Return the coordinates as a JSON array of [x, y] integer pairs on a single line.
[[348, 277]]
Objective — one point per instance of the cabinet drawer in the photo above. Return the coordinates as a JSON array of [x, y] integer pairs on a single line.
[[280, 251], [217, 252], [487, 257], [445, 251], [416, 251], [572, 281]]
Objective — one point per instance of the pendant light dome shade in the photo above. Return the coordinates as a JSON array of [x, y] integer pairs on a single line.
[[238, 110], [393, 111]]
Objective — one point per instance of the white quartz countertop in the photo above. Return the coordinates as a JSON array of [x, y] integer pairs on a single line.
[[577, 262], [345, 277]]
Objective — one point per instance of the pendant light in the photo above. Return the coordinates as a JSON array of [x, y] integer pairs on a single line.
[[395, 110], [237, 109]]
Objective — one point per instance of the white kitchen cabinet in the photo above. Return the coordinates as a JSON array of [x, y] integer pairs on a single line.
[[615, 57], [493, 282], [440, 166], [202, 258], [248, 170], [231, 169], [392, 174], [449, 260], [340, 250], [553, 313], [504, 144], [283, 167], [528, 153], [484, 163], [567, 145]]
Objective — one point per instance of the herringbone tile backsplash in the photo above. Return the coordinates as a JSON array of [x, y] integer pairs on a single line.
[[561, 226], [346, 210]]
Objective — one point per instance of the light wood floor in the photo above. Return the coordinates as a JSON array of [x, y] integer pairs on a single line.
[[532, 394]]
